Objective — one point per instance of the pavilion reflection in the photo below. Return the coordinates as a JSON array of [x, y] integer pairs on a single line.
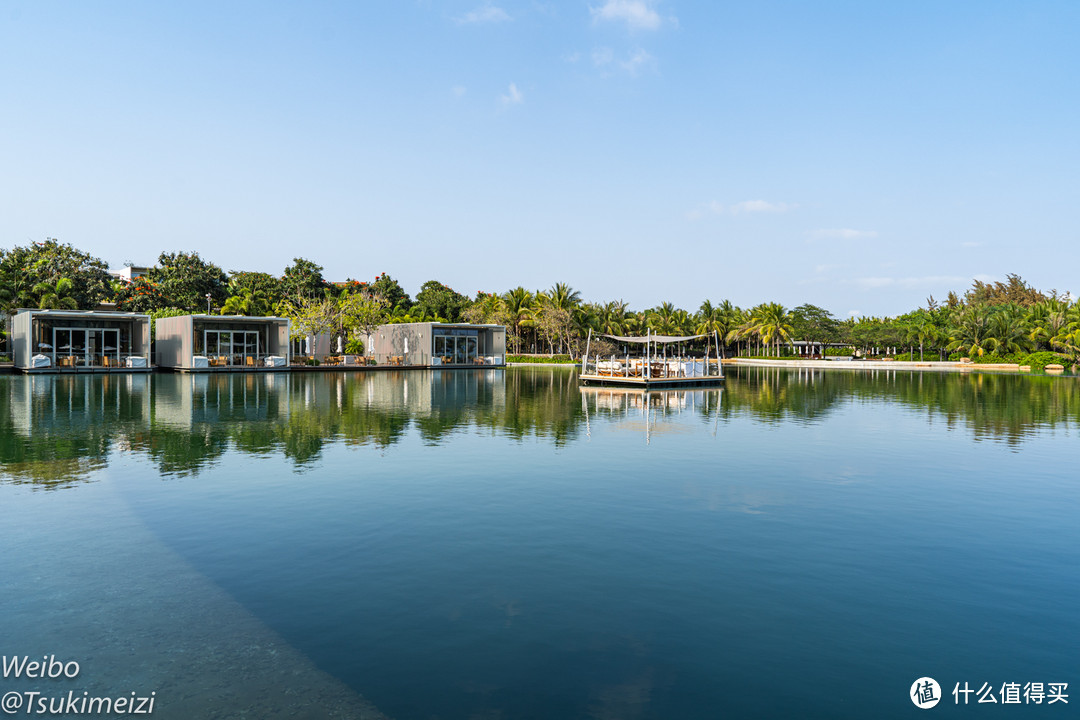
[[650, 411]]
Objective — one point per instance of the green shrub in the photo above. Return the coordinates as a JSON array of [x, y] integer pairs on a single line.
[[1039, 360], [355, 347], [553, 360], [839, 352]]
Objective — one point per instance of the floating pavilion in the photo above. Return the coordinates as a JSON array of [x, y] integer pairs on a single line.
[[660, 361]]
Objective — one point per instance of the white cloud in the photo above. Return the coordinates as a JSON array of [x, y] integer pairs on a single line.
[[760, 206], [513, 96], [638, 59], [844, 234], [458, 90], [572, 57], [873, 283], [746, 206], [486, 13], [604, 59], [637, 14], [854, 313], [971, 243]]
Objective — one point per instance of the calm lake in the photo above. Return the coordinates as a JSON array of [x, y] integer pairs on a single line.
[[502, 544]]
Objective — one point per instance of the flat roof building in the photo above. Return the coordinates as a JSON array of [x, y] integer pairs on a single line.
[[432, 344], [222, 343], [80, 341]]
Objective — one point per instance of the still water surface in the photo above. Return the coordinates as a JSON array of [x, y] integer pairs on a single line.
[[501, 544]]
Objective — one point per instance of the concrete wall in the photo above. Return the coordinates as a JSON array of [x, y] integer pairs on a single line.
[[20, 340], [22, 329], [173, 342]]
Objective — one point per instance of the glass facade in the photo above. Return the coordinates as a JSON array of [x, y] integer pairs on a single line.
[[79, 342], [456, 346], [226, 344]]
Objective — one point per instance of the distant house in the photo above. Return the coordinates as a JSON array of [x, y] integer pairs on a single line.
[[128, 273], [221, 343], [432, 344], [80, 341]]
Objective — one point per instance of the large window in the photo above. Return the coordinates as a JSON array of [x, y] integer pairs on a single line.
[[91, 345], [455, 346], [232, 347]]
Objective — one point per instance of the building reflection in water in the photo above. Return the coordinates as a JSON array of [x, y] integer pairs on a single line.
[[60, 429], [650, 411]]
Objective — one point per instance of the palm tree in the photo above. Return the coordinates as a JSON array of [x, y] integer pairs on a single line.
[[249, 302], [772, 322], [971, 331], [611, 318], [564, 297], [661, 319], [1008, 331], [56, 297], [520, 304], [1047, 319]]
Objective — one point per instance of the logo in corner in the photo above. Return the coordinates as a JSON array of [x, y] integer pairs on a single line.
[[925, 693]]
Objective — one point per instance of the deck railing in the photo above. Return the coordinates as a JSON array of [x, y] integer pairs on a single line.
[[662, 368]]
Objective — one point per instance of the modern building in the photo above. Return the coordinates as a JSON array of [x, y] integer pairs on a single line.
[[80, 341], [129, 272], [221, 343], [431, 344]]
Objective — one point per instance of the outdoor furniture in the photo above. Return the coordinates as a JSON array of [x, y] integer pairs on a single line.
[[138, 361], [250, 361], [197, 361], [40, 361], [274, 361]]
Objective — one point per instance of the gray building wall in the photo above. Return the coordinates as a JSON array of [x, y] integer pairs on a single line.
[[173, 342], [22, 331], [175, 337], [21, 340], [413, 342]]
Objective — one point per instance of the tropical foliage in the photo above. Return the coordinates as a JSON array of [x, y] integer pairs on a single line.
[[990, 320]]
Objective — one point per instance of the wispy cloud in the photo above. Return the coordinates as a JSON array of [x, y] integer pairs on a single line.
[[637, 14], [843, 234], [458, 90], [746, 206], [638, 60], [602, 56], [760, 206], [513, 96], [874, 283], [604, 59], [486, 13], [970, 244]]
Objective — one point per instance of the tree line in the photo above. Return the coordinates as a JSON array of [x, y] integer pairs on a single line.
[[997, 320]]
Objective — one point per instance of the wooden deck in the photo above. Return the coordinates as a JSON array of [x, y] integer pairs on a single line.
[[651, 382]]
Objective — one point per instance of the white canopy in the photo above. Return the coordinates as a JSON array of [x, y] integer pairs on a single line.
[[653, 338]]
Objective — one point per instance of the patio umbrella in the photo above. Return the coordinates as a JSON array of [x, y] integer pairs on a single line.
[[108, 348], [44, 346], [64, 347]]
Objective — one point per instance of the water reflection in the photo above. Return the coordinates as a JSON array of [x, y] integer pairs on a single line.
[[995, 406], [57, 430], [650, 412]]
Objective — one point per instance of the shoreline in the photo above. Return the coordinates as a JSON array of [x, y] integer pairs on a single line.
[[921, 365]]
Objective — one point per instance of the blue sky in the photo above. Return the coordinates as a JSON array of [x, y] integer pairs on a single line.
[[855, 155]]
